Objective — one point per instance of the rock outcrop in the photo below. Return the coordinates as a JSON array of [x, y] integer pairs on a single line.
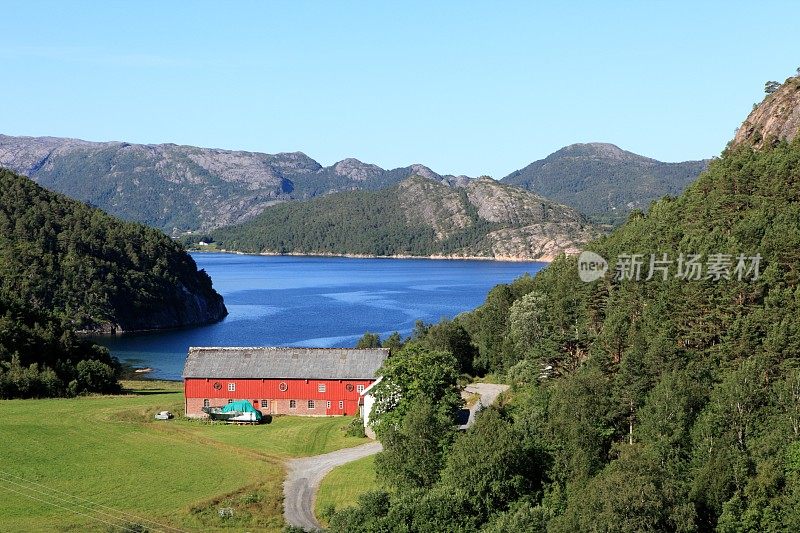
[[356, 170], [188, 308], [775, 119]]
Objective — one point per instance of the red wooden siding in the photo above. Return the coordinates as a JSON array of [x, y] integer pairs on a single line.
[[256, 390]]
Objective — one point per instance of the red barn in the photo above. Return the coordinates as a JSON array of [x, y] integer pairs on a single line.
[[286, 381]]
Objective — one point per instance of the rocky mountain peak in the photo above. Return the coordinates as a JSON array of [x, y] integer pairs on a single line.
[[295, 161], [425, 172], [776, 118], [456, 181], [598, 150], [356, 170]]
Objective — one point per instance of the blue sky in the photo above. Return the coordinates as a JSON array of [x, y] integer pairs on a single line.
[[464, 87]]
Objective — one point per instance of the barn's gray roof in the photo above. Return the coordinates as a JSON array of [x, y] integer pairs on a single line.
[[290, 363]]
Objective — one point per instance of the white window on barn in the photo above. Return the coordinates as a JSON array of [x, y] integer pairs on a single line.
[[206, 403], [230, 400], [360, 388], [328, 405], [341, 404], [265, 404], [311, 404], [231, 387], [321, 387], [292, 404]]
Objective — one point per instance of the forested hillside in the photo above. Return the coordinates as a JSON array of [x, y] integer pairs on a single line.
[[603, 181], [662, 404], [61, 257], [419, 217], [66, 267]]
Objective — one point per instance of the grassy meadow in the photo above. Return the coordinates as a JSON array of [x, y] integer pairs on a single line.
[[102, 463], [344, 484]]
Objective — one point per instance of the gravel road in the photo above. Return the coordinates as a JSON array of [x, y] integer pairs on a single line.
[[488, 393], [305, 474]]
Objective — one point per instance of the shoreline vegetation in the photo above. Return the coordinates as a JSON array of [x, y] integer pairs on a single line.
[[505, 259], [663, 405]]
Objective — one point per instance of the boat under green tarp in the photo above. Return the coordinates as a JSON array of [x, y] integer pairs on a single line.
[[238, 411]]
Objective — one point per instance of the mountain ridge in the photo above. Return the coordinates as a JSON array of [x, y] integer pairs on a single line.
[[186, 187], [181, 188]]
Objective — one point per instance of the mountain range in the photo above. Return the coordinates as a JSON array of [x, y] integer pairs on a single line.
[[185, 188]]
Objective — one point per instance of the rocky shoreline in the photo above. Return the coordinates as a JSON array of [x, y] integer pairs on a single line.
[[195, 310], [509, 259]]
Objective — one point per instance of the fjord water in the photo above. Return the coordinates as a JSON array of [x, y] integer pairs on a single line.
[[319, 301]]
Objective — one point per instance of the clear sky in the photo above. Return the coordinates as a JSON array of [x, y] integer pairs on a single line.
[[463, 87]]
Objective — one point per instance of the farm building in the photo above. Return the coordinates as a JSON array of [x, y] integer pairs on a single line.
[[297, 381]]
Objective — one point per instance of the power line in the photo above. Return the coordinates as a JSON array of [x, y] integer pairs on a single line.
[[126, 514], [24, 487], [68, 509]]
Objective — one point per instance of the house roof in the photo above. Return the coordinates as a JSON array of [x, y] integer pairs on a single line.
[[289, 363]]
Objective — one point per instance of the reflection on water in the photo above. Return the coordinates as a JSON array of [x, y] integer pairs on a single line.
[[316, 301]]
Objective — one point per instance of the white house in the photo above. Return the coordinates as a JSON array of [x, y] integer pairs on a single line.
[[366, 404]]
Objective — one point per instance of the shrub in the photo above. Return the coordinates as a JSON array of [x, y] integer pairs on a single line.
[[355, 428], [94, 376], [17, 381]]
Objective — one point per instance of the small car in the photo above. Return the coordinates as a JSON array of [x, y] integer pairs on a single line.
[[164, 415]]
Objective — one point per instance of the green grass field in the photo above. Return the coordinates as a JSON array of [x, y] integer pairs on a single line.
[[344, 484], [78, 464]]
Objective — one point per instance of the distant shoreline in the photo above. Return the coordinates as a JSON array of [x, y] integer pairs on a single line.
[[502, 259], [133, 372]]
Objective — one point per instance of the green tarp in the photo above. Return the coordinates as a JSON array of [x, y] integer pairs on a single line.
[[244, 406]]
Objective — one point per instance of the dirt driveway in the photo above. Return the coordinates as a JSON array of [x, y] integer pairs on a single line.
[[304, 477], [305, 474]]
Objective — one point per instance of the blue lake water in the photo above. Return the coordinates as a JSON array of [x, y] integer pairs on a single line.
[[319, 301]]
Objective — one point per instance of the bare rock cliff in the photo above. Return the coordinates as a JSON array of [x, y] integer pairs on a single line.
[[518, 223], [775, 119]]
